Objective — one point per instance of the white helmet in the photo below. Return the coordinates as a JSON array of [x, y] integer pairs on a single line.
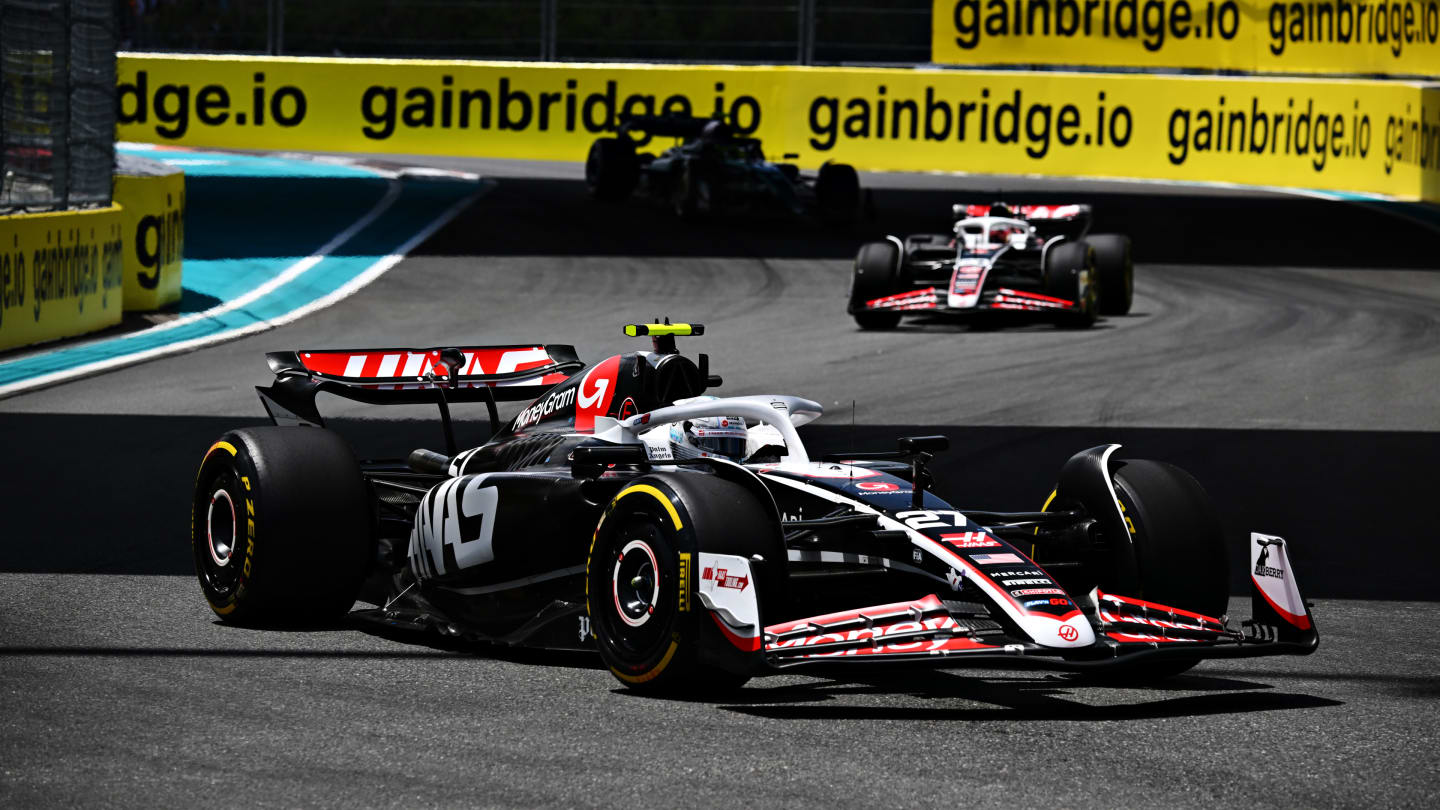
[[709, 436]]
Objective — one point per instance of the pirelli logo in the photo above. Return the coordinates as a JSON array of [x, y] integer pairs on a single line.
[[684, 582]]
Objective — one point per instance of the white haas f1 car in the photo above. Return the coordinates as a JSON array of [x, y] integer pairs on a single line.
[[696, 565], [1028, 259]]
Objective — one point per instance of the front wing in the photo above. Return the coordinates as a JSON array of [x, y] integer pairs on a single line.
[[1128, 630], [938, 301]]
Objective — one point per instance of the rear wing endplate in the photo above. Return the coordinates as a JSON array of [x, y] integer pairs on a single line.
[[486, 374]]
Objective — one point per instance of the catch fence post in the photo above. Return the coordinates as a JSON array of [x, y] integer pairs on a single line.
[[805, 32]]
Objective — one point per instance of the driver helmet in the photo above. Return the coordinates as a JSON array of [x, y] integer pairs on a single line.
[[709, 436], [715, 130], [1002, 233]]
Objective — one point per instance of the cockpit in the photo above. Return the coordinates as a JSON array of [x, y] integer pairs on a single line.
[[982, 236]]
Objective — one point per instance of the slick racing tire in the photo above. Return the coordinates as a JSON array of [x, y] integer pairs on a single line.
[[1070, 274], [837, 193], [876, 275], [1116, 271], [640, 588], [280, 526], [1178, 545], [611, 169], [1178, 541]]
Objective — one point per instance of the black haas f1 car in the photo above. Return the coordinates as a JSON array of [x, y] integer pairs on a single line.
[[713, 171], [581, 524], [1030, 259]]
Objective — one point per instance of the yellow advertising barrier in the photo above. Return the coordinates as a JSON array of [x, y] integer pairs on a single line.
[[59, 274], [1389, 37], [1380, 137], [153, 202]]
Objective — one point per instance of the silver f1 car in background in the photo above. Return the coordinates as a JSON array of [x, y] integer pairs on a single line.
[[573, 527], [1036, 259]]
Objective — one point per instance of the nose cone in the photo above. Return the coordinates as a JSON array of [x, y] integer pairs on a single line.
[[1073, 632]]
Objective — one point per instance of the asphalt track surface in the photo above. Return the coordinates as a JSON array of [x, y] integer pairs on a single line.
[[1283, 349]]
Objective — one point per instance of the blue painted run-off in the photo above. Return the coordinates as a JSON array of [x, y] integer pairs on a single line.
[[250, 218]]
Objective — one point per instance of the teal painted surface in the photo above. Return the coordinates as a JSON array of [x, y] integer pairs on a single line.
[[223, 164], [246, 225]]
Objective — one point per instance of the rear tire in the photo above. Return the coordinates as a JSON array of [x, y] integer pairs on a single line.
[[1070, 274], [611, 168], [876, 275], [280, 526], [1116, 272]]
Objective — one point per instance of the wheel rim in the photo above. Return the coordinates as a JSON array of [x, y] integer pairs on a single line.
[[220, 527], [635, 583], [215, 543], [1090, 295], [636, 622]]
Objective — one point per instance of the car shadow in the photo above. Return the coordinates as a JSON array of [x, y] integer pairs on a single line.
[[932, 695], [993, 322], [566, 659]]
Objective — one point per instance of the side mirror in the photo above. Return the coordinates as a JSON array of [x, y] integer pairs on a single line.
[[591, 460], [911, 445], [920, 449]]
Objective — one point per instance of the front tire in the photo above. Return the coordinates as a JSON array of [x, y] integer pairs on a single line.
[[876, 275], [693, 192], [1177, 537], [612, 169], [1070, 274], [641, 576], [1115, 270], [1178, 549], [280, 526]]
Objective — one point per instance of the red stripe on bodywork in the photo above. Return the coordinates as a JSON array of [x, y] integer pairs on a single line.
[[1034, 295], [916, 299], [1301, 622], [1147, 638], [1156, 606], [478, 361], [745, 644], [925, 605]]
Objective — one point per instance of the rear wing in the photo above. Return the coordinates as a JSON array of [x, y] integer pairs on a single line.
[[1069, 211], [666, 126], [1071, 220], [486, 374]]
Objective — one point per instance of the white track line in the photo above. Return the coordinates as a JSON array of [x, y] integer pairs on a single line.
[[366, 276], [294, 271]]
